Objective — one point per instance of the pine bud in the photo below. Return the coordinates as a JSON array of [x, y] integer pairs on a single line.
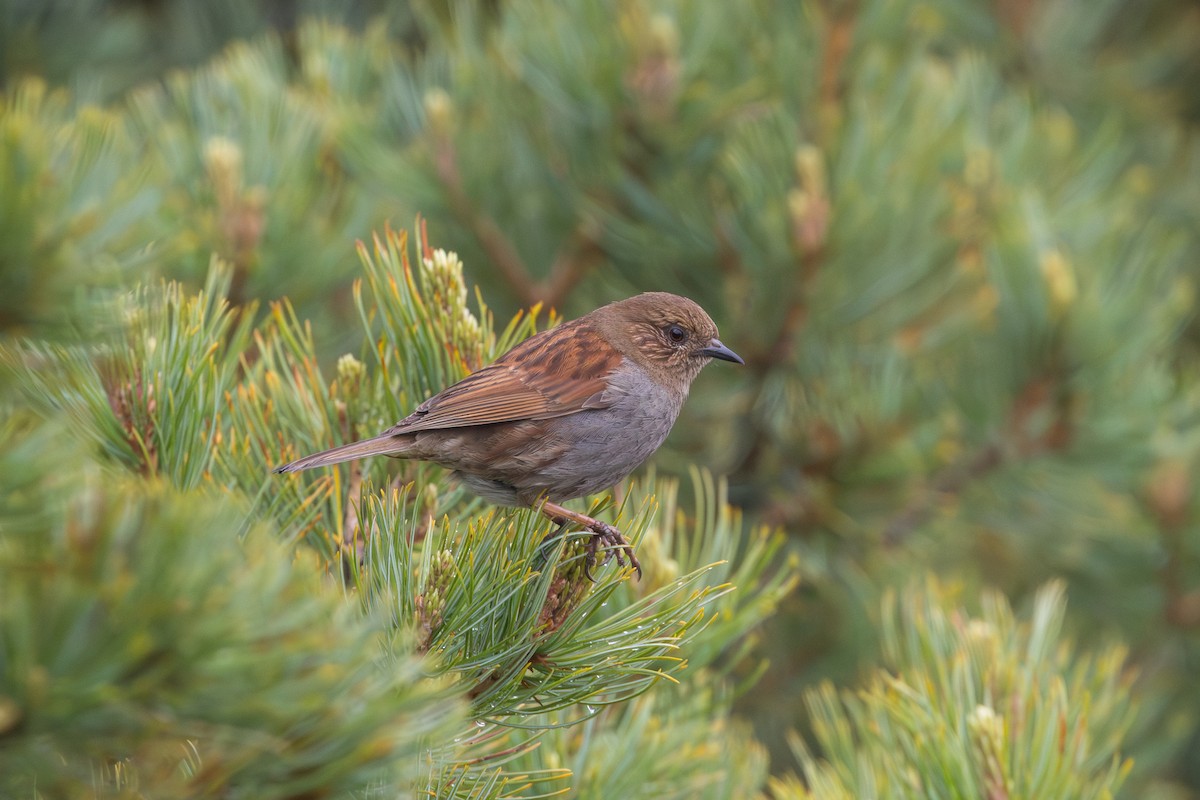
[[350, 372], [1060, 282], [664, 36], [439, 111], [446, 273], [986, 730], [810, 169], [447, 287], [223, 161], [808, 204], [430, 604], [654, 78]]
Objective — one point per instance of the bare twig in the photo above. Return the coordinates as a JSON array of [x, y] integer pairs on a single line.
[[1018, 442], [950, 481], [839, 36], [1168, 497], [1015, 14], [810, 256], [499, 250], [580, 253]]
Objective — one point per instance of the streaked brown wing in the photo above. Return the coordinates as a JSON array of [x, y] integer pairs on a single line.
[[550, 374]]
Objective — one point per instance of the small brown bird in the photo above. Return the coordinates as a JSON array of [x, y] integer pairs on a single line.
[[567, 412]]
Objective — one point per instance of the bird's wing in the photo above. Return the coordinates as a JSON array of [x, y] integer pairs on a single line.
[[551, 374]]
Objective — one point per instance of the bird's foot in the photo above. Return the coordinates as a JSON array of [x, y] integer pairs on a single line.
[[616, 544]]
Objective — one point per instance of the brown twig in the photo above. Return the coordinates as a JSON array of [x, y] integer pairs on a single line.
[[810, 255], [811, 210], [1168, 498], [583, 251], [1016, 15], [1044, 392], [499, 250], [1182, 606], [950, 481], [729, 260], [579, 255], [839, 36]]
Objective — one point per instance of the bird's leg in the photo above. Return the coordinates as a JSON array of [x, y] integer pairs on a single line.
[[602, 533]]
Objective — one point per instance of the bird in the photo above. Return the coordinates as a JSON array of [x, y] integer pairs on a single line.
[[570, 411]]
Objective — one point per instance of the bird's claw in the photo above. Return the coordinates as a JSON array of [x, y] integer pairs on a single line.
[[615, 545]]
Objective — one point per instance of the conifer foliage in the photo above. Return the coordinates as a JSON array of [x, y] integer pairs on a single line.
[[177, 620], [956, 242]]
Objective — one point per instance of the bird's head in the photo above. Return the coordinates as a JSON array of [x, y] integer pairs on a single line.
[[669, 336]]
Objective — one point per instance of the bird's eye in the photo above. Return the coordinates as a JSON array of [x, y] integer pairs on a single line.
[[676, 334]]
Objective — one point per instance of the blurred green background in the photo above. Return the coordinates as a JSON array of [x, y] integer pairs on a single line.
[[956, 241]]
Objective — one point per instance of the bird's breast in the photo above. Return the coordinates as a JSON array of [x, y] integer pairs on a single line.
[[600, 447]]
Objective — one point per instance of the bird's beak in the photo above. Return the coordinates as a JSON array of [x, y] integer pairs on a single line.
[[718, 350]]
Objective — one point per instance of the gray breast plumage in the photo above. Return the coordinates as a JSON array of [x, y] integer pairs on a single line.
[[594, 449]]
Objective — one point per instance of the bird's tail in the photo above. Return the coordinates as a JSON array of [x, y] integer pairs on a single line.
[[381, 445]]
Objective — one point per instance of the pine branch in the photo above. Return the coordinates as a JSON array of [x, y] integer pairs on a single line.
[[966, 706], [839, 39], [511, 618], [501, 252], [987, 224], [148, 392], [575, 259], [73, 195], [1026, 436], [143, 645]]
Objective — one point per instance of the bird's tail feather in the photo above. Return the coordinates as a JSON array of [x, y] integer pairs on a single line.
[[380, 445]]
